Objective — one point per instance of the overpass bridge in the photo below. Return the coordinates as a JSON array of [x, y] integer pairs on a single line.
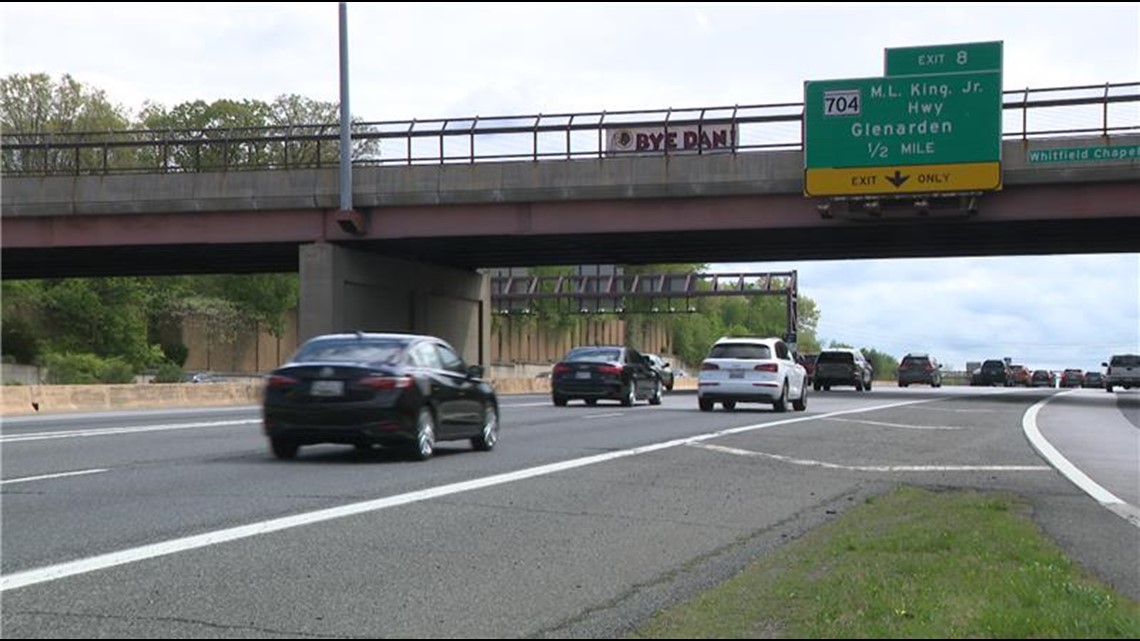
[[442, 200]]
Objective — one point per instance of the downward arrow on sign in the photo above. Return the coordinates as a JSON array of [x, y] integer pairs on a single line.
[[898, 179]]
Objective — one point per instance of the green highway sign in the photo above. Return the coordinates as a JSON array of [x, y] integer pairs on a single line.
[[932, 119], [974, 56]]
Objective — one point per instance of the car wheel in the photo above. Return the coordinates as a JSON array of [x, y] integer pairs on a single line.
[[1108, 388], [629, 395], [283, 448], [655, 399], [800, 404], [867, 387], [485, 442], [559, 401], [591, 402], [425, 434], [729, 405], [706, 406], [781, 404]]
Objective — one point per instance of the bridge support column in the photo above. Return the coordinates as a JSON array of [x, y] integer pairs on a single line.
[[344, 290]]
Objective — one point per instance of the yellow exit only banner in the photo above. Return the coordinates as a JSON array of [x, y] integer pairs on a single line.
[[903, 179]]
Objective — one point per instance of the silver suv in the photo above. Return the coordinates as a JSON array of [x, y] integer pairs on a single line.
[[1123, 370]]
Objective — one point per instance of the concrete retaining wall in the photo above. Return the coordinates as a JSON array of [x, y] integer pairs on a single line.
[[17, 400]]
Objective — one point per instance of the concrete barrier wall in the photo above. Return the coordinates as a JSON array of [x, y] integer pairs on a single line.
[[18, 400]]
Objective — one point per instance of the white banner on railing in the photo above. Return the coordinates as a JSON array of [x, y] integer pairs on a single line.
[[680, 139]]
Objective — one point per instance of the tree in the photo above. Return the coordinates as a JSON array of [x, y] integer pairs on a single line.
[[230, 133], [32, 105]]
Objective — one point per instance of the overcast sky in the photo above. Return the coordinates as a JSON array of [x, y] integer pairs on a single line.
[[427, 60]]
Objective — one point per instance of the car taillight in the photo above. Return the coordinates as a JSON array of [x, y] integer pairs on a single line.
[[767, 367], [708, 367], [613, 370], [278, 380], [385, 382], [561, 368]]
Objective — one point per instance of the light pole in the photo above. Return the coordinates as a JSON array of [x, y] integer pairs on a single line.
[[350, 220]]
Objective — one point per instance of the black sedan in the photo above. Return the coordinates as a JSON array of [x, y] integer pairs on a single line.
[[610, 372], [365, 389]]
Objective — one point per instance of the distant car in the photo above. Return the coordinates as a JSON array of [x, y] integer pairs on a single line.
[[921, 369], [402, 390], [1093, 380], [751, 370], [1072, 377], [1122, 370], [664, 370], [1021, 375], [993, 372], [808, 361], [611, 372], [1042, 378], [842, 367]]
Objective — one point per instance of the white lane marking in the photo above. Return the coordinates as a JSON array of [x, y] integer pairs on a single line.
[[60, 475], [545, 403], [962, 411], [1109, 500], [904, 426], [45, 436], [174, 546], [609, 415], [877, 468]]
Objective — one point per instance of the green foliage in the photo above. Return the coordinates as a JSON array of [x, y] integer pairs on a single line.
[[886, 366], [70, 368], [105, 316], [216, 126], [33, 104], [19, 339], [176, 354], [169, 373]]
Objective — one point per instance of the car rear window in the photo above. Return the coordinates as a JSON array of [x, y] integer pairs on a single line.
[[352, 350], [836, 357], [915, 360], [1128, 360], [594, 354], [740, 350]]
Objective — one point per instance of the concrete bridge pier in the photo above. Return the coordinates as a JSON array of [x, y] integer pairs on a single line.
[[344, 290]]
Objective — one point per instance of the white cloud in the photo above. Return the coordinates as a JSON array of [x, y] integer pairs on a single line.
[[430, 60]]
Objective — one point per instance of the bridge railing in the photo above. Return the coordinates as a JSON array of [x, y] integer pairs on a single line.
[[1103, 110]]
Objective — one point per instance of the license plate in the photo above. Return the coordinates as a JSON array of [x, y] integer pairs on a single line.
[[736, 373], [327, 388], [582, 375]]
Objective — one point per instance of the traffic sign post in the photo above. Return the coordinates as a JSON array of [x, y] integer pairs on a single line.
[[898, 135], [973, 56]]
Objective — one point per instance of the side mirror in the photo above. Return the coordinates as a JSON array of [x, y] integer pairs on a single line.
[[475, 371]]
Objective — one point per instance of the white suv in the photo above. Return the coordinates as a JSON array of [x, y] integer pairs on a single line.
[[1123, 371], [751, 370]]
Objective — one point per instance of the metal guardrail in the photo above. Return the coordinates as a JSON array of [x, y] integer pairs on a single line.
[[1104, 110]]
